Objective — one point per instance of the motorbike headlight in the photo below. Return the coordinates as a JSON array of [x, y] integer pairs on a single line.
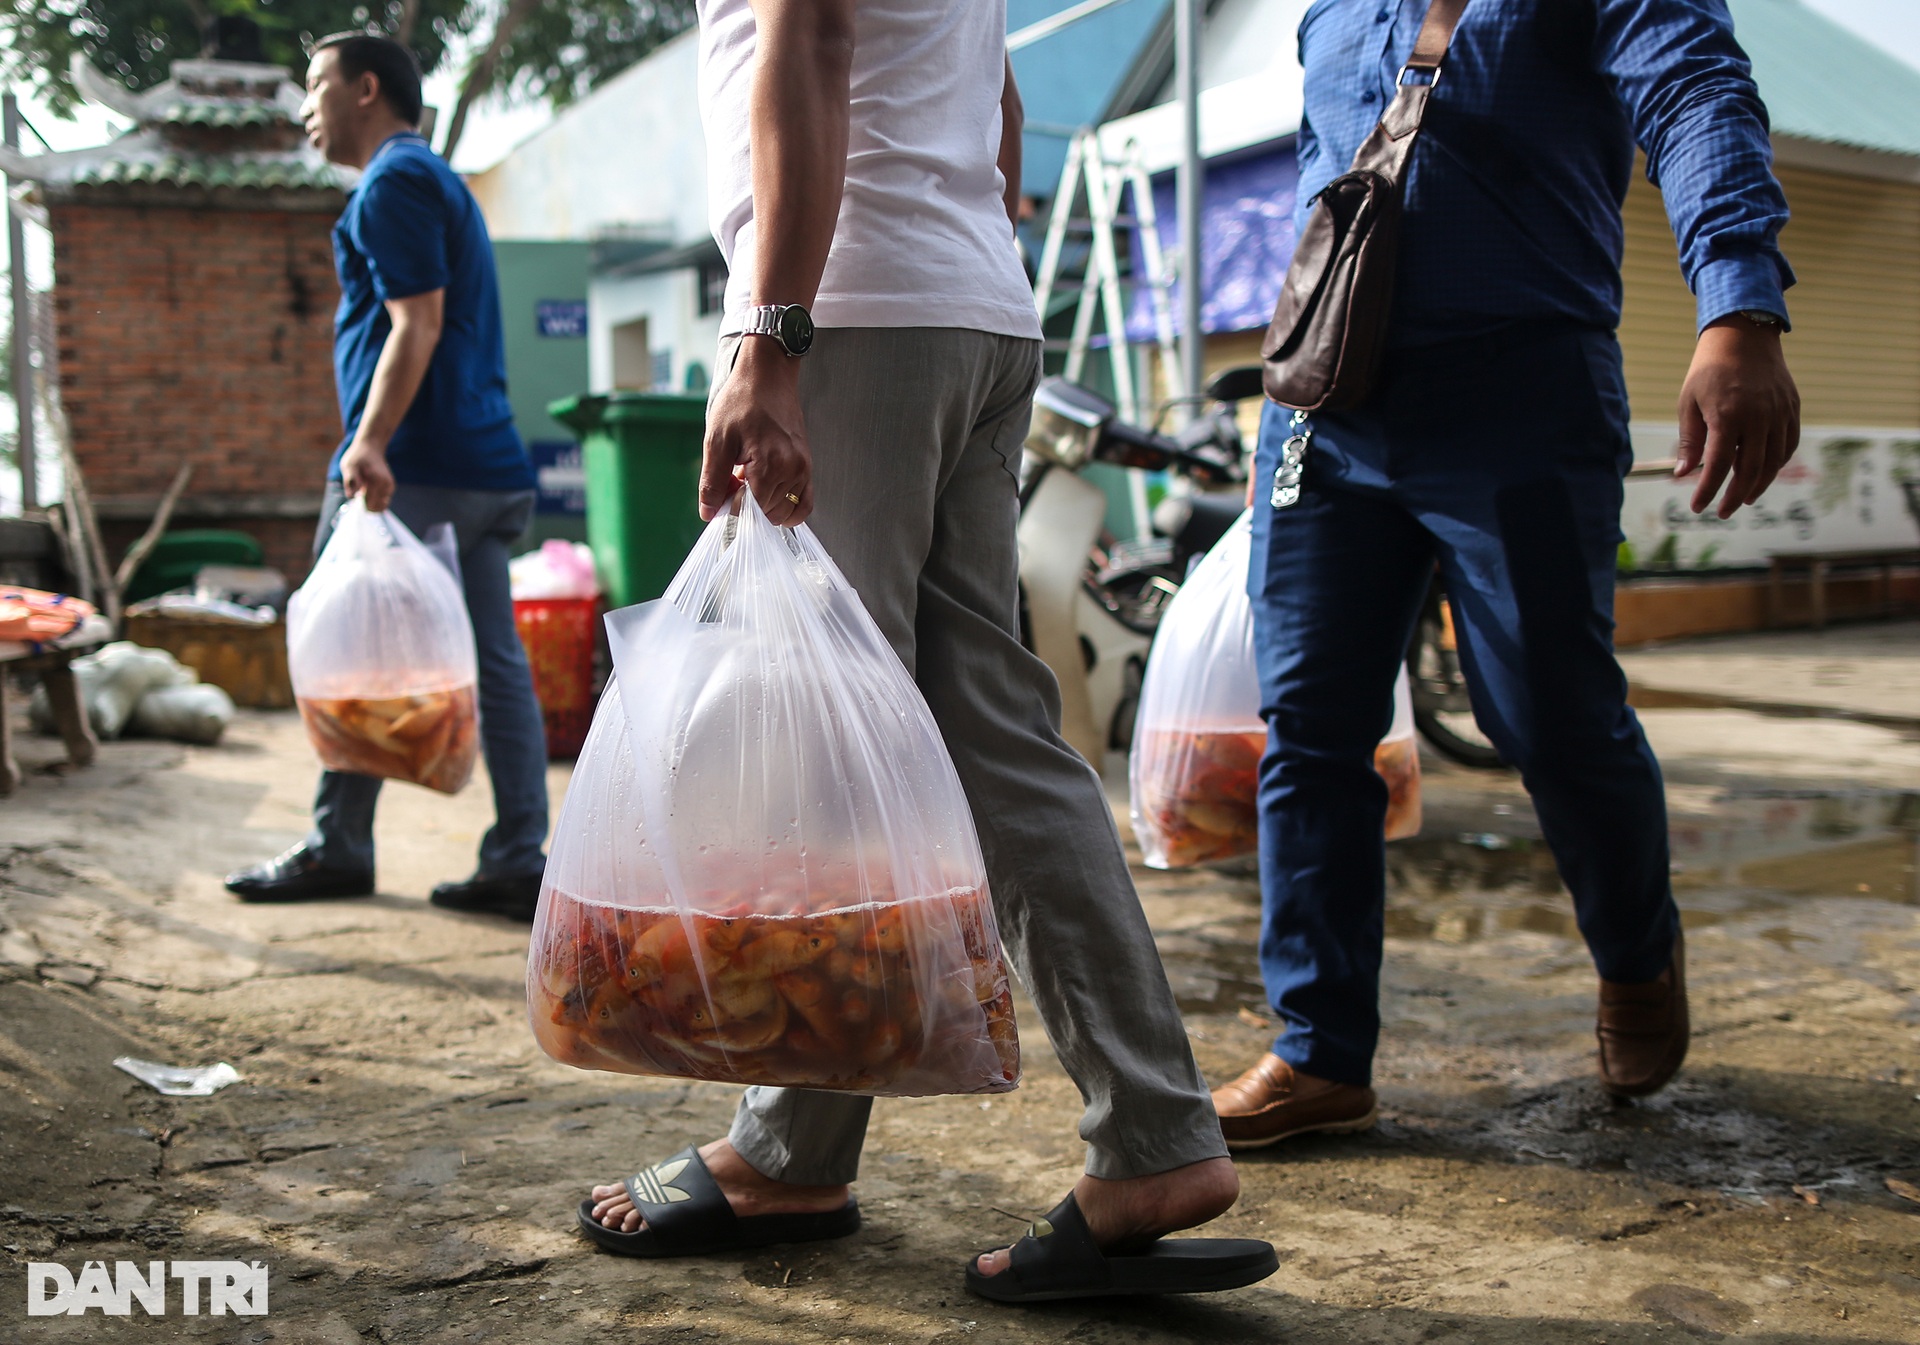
[[1058, 439], [1067, 422]]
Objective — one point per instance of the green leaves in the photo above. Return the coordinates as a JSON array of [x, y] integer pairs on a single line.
[[558, 51], [561, 52]]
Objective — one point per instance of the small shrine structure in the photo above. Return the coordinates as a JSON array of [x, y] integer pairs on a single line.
[[193, 302]]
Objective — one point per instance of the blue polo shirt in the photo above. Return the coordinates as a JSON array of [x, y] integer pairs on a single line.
[[409, 228]]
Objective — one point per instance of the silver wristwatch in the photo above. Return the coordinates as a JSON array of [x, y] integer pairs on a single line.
[[789, 324], [1760, 317]]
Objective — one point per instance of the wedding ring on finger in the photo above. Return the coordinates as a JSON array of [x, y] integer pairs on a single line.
[[792, 498]]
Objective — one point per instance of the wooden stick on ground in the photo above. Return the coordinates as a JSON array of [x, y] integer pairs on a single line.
[[87, 522], [73, 556], [140, 550]]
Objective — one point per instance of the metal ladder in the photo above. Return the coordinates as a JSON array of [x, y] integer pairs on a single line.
[[1102, 181]]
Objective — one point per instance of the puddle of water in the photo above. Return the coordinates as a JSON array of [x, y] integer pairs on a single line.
[[1756, 852], [1214, 970], [1856, 843]]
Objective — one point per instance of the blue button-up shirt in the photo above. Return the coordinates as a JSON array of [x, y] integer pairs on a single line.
[[1513, 200]]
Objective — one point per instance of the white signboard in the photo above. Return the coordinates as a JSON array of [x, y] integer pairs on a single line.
[[1840, 492]]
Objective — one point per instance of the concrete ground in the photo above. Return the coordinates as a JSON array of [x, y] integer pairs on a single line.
[[406, 1163], [1865, 671]]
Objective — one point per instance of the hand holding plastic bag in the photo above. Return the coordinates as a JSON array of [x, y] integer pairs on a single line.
[[765, 871], [381, 653], [1197, 744]]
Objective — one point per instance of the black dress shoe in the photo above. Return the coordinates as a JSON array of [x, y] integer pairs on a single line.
[[298, 875], [513, 896]]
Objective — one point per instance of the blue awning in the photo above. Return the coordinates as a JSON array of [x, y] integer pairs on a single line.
[[1246, 241], [1069, 80]]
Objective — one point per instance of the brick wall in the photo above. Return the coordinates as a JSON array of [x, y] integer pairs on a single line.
[[204, 334]]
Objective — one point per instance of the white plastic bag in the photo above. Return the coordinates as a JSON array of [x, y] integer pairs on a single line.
[[1194, 769], [381, 654], [112, 681], [1398, 761], [765, 871], [559, 569], [196, 713]]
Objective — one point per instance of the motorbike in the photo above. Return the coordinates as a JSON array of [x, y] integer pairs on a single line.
[[1088, 610]]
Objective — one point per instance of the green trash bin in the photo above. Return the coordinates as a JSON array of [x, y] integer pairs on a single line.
[[641, 455]]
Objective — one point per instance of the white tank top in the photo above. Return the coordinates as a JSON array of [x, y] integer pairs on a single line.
[[923, 238]]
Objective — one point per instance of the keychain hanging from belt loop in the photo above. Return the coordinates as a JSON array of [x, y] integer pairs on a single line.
[[1293, 463]]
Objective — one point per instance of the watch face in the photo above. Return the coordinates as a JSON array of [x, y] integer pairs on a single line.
[[796, 330]]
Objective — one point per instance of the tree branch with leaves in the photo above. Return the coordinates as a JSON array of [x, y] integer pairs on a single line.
[[533, 50]]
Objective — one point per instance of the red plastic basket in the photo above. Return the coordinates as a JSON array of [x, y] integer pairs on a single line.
[[559, 636]]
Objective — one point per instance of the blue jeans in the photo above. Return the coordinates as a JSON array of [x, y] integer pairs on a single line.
[[1501, 459], [512, 736]]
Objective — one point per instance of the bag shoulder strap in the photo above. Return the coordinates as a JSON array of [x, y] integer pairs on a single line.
[[1436, 34], [1385, 151]]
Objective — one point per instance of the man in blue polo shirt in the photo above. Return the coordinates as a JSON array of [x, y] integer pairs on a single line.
[[421, 369]]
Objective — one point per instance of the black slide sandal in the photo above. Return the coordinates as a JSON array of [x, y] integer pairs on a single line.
[[687, 1214], [1058, 1259]]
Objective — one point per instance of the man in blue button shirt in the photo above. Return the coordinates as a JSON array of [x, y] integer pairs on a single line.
[[421, 369], [1495, 446]]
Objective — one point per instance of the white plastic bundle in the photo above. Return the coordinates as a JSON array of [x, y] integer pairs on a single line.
[[381, 654], [191, 712], [129, 688], [766, 870], [1194, 769]]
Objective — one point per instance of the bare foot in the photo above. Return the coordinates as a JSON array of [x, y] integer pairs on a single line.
[[746, 1190], [1140, 1209]]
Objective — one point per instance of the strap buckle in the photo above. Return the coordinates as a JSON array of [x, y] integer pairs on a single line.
[[1432, 72]]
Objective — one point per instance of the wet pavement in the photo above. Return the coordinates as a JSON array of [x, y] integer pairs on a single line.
[[406, 1162]]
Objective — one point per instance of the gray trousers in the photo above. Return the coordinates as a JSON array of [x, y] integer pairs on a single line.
[[916, 437]]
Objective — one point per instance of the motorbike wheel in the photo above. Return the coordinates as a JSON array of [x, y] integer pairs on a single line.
[[1442, 710], [1120, 731]]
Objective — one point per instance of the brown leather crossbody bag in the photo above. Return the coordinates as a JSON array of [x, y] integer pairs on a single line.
[[1322, 350]]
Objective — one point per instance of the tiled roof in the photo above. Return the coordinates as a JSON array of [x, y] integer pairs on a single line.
[[225, 112], [295, 170], [1821, 82], [216, 125]]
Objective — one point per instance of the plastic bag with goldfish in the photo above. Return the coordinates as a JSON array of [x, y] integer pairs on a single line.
[[1195, 765], [381, 654], [765, 871]]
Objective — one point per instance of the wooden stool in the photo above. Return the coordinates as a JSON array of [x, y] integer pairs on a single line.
[[55, 667], [30, 554]]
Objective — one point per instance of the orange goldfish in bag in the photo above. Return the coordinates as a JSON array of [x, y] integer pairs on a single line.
[[381, 654], [765, 871], [1195, 765], [430, 738]]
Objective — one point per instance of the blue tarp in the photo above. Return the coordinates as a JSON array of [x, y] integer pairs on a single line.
[[1246, 241], [1069, 79]]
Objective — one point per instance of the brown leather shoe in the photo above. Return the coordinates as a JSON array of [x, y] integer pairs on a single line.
[[1272, 1101], [1644, 1029]]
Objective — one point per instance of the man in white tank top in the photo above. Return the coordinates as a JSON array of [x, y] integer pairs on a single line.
[[864, 165]]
